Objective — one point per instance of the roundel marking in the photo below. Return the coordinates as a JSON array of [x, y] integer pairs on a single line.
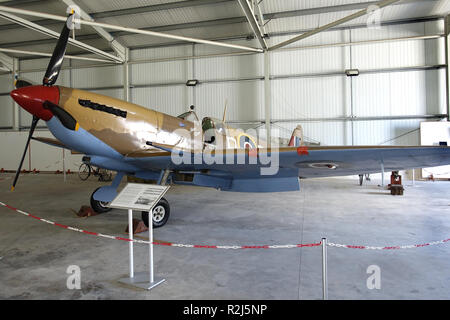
[[245, 141]]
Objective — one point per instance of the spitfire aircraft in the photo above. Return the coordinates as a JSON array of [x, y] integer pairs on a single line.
[[136, 141]]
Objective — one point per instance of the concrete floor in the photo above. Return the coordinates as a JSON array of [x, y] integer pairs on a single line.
[[34, 256]]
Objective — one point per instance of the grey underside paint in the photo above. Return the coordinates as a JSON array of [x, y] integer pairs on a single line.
[[348, 162]]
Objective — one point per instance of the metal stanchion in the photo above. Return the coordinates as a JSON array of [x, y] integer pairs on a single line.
[[64, 164], [130, 244], [150, 246], [324, 269]]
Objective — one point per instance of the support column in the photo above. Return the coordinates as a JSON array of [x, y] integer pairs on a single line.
[[447, 63], [352, 100], [16, 109], [194, 93], [267, 96], [126, 76]]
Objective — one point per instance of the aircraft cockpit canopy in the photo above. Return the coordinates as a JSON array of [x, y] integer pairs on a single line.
[[189, 115], [211, 123]]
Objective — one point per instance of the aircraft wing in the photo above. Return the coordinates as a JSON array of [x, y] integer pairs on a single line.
[[51, 142], [342, 161], [54, 143], [257, 174]]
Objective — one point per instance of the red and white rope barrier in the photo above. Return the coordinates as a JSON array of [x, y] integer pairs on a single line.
[[235, 247], [289, 246], [412, 246]]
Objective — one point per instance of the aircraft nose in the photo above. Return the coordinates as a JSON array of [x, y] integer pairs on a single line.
[[31, 98]]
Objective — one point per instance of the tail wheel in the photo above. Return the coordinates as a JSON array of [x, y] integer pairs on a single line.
[[99, 206], [160, 214]]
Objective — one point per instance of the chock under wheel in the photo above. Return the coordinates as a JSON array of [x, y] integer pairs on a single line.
[[397, 190]]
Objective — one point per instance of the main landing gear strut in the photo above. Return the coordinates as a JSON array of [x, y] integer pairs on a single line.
[[160, 212]]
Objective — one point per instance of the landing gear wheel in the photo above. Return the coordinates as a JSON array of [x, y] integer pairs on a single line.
[[99, 206], [160, 214]]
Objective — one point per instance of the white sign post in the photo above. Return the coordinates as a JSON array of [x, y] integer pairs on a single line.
[[142, 197]]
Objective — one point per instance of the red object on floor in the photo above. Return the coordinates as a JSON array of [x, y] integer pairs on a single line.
[[396, 179], [86, 211], [138, 226], [396, 184]]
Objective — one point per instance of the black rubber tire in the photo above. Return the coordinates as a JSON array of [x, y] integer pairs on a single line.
[[158, 224], [97, 205]]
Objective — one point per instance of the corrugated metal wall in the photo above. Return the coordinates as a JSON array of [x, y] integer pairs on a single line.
[[305, 83], [6, 106], [378, 94]]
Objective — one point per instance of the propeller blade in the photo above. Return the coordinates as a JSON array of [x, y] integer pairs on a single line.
[[19, 83], [33, 126], [66, 118], [56, 61]]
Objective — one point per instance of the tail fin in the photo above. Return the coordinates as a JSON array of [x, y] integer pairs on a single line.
[[297, 137]]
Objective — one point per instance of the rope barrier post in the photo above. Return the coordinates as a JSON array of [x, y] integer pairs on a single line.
[[130, 243], [64, 164], [150, 245], [324, 269]]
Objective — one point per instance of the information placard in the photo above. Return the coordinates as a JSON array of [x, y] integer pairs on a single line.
[[139, 196]]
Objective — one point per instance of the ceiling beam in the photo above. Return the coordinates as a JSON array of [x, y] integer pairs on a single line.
[[130, 11], [287, 33], [337, 8], [33, 26], [119, 48], [156, 7], [380, 5], [190, 3], [250, 15], [131, 30], [181, 26], [21, 2], [232, 37], [45, 54]]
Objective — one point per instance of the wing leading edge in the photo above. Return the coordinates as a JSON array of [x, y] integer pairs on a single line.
[[250, 171]]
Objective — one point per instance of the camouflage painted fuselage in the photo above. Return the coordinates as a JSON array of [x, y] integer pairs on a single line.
[[127, 127]]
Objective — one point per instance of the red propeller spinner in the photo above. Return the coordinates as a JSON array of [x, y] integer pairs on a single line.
[[31, 98]]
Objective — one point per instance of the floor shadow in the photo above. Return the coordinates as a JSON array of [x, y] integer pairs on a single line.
[[379, 194]]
